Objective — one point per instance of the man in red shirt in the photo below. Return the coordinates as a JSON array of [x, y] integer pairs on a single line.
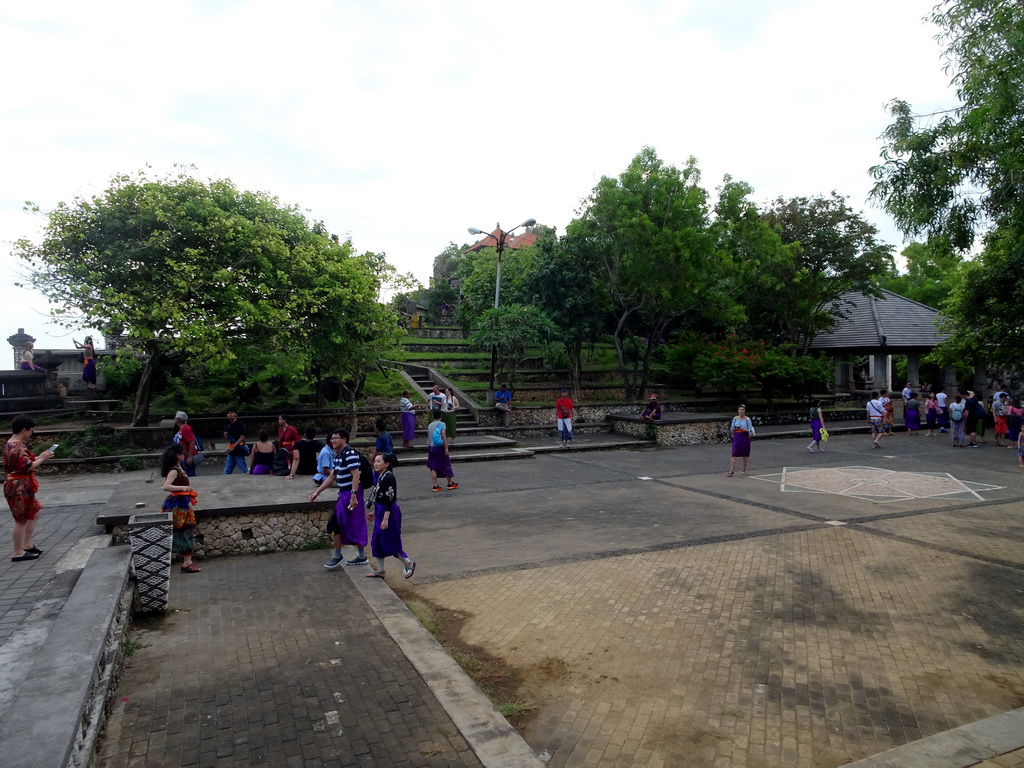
[[563, 413], [287, 435]]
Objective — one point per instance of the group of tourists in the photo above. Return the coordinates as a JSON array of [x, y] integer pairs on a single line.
[[965, 416]]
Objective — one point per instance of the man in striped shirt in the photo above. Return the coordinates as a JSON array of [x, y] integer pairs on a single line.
[[349, 522]]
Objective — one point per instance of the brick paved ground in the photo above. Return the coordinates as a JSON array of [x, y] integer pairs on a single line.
[[698, 620], [272, 660]]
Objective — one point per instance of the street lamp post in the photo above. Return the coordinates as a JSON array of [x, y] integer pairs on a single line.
[[501, 237]]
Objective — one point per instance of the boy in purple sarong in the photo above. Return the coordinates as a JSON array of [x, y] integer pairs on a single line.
[[349, 524], [437, 453]]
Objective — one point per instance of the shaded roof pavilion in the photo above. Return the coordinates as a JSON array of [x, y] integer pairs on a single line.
[[880, 327]]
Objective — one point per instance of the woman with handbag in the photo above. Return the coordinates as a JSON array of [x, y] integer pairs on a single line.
[[817, 425]]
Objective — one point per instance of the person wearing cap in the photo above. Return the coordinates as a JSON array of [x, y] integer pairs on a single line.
[[186, 438], [651, 411], [563, 417]]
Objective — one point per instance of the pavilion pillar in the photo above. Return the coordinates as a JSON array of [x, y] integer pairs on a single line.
[[913, 372], [949, 377], [881, 366]]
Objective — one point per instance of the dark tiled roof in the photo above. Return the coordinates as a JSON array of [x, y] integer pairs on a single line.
[[892, 321]]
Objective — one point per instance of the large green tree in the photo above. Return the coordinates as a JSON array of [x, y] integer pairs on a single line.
[[185, 266], [831, 249], [566, 282], [959, 174], [650, 228]]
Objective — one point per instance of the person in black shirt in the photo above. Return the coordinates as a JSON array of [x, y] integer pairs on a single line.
[[304, 454], [237, 450]]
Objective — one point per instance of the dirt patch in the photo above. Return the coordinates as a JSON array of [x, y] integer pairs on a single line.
[[508, 687]]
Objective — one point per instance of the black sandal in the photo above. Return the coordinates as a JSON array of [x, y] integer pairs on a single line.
[[24, 557]]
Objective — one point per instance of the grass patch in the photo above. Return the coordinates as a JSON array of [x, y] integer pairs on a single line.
[[511, 709], [131, 647]]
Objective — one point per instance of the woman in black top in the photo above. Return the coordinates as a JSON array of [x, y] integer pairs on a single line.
[[262, 458], [386, 540]]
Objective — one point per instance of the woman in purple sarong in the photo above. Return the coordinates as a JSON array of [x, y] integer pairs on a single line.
[[408, 419], [912, 414], [817, 424], [437, 453], [88, 362], [386, 539], [742, 429], [28, 359]]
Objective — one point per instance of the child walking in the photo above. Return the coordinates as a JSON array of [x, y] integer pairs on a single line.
[[386, 540]]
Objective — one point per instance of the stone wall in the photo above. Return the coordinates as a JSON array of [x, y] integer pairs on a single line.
[[246, 534], [675, 433], [437, 333]]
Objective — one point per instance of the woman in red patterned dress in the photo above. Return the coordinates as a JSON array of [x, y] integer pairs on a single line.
[[20, 487], [181, 504]]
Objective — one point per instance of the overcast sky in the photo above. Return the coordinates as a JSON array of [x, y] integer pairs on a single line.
[[403, 123]]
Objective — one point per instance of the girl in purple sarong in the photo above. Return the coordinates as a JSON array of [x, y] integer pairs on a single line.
[[817, 423], [386, 516], [437, 453], [742, 429], [408, 419]]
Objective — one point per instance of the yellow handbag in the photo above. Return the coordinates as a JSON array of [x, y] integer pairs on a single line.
[[824, 435]]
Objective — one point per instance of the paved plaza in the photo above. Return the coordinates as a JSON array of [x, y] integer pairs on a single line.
[[821, 610]]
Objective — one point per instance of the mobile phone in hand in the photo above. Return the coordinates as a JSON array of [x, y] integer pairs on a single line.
[[54, 447]]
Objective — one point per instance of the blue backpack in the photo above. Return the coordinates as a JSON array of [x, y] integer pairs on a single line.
[[435, 436]]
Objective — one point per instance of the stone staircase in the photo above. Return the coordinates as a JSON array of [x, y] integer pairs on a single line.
[[484, 443]]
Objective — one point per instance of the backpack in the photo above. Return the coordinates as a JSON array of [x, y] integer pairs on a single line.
[[956, 411], [365, 472], [435, 437], [979, 409]]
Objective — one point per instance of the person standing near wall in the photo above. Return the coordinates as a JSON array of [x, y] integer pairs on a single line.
[[564, 416], [88, 362], [408, 409]]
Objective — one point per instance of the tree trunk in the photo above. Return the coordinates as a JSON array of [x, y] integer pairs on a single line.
[[628, 379], [574, 352], [140, 417]]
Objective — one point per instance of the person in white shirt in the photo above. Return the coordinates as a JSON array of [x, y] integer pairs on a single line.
[[940, 398], [876, 413]]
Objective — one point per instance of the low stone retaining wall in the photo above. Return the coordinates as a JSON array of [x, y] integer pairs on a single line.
[[240, 533], [435, 332], [694, 431]]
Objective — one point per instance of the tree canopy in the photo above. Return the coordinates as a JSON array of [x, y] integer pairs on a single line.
[[650, 229], [184, 266], [957, 175]]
